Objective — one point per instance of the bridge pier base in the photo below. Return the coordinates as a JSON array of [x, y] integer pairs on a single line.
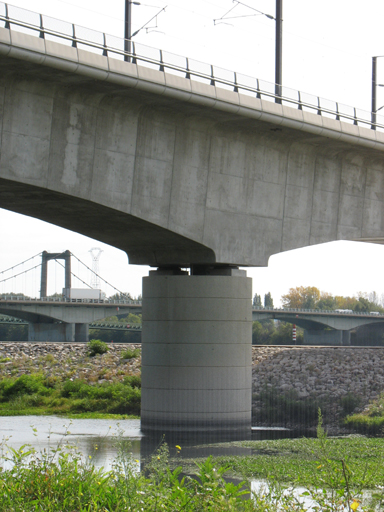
[[60, 332], [324, 337], [196, 353], [81, 333]]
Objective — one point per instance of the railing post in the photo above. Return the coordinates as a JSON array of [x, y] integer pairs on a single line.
[[161, 61], [235, 88], [134, 59], [105, 51], [7, 24], [354, 116], [188, 74], [212, 76], [337, 111], [318, 106], [300, 104], [258, 95], [74, 42], [41, 35]]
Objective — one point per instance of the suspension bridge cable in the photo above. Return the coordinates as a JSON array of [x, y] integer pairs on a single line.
[[19, 274], [106, 282], [18, 264], [74, 275]]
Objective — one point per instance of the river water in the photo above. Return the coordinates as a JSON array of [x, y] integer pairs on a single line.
[[98, 440]]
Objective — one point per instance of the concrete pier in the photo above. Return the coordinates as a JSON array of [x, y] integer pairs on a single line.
[[327, 337], [58, 332], [196, 352]]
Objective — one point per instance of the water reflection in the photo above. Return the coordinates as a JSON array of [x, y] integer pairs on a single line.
[[98, 440]]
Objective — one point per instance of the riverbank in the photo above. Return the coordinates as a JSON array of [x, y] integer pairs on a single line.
[[289, 383], [69, 380]]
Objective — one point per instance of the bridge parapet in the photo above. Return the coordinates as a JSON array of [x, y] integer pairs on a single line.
[[370, 314], [105, 45], [20, 298]]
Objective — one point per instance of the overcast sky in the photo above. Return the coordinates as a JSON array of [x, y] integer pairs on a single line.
[[327, 51]]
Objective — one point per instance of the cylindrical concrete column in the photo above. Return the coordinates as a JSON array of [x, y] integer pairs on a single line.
[[196, 353]]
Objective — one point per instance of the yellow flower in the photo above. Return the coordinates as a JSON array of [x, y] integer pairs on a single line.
[[354, 505], [178, 447]]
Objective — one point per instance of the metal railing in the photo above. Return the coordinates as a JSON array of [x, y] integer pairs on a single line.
[[21, 298], [48, 28]]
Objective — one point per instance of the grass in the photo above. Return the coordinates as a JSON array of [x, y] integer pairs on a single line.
[[371, 420], [94, 383], [36, 394], [130, 354], [298, 460], [61, 480]]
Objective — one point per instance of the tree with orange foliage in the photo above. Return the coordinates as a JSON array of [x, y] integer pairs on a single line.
[[301, 297]]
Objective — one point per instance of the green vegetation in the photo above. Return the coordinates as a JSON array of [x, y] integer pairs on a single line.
[[371, 420], [332, 473], [277, 408], [130, 354], [97, 347], [36, 394], [310, 297], [269, 332], [61, 481]]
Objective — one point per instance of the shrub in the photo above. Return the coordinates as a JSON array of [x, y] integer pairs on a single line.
[[349, 403], [286, 408], [130, 354], [97, 347], [133, 380], [24, 385]]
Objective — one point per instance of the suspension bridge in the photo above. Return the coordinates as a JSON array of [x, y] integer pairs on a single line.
[[65, 316]]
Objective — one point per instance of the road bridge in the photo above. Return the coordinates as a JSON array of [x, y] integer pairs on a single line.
[[314, 321], [108, 326], [182, 167], [55, 319]]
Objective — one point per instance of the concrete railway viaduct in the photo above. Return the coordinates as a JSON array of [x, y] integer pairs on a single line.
[[190, 176]]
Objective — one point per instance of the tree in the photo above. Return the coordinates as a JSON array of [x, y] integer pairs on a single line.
[[268, 301], [327, 302], [120, 296], [256, 300], [301, 297]]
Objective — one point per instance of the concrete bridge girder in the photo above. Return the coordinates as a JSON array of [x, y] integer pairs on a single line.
[[69, 314], [318, 322], [174, 171]]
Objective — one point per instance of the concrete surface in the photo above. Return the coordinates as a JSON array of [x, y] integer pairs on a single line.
[[316, 337], [174, 171], [196, 361]]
